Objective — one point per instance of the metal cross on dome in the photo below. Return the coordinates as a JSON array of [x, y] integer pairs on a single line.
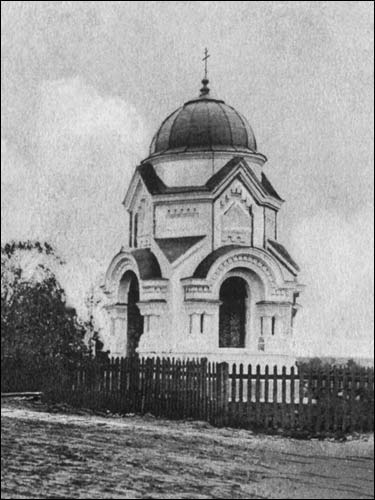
[[206, 56]]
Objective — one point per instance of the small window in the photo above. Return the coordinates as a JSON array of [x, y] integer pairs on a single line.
[[273, 324], [202, 323], [262, 326], [191, 323], [135, 242], [261, 345], [130, 229]]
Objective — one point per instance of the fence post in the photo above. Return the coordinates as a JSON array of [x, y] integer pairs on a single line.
[[248, 396], [310, 389], [370, 406], [210, 392], [301, 390], [258, 404], [327, 399], [284, 420], [335, 398], [233, 395], [266, 396], [361, 396], [149, 386], [318, 400], [344, 399], [203, 390], [240, 406], [275, 403], [222, 393], [292, 398]]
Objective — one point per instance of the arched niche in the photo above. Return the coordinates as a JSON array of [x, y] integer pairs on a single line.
[[128, 295], [232, 313], [239, 291]]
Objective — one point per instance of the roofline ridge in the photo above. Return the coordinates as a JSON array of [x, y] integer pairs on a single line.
[[203, 98]]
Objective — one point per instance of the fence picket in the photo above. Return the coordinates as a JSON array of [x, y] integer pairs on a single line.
[[360, 397], [370, 418], [249, 395], [344, 400], [274, 399], [328, 412], [284, 421], [233, 393], [240, 406], [318, 400], [210, 395], [204, 408], [266, 396], [196, 389], [292, 399], [310, 390], [179, 389], [183, 386], [335, 390], [301, 388], [223, 392], [257, 397]]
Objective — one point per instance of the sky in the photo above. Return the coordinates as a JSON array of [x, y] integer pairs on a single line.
[[85, 86]]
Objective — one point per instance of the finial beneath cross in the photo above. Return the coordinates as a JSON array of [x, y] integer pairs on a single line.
[[206, 56]]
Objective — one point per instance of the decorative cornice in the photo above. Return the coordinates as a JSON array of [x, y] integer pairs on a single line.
[[199, 306], [258, 158], [152, 307], [155, 290]]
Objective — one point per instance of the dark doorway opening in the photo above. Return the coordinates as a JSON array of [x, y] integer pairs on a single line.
[[232, 317], [129, 294]]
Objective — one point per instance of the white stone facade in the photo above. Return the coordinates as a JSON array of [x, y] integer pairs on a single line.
[[196, 220]]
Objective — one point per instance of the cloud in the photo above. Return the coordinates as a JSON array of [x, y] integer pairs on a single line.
[[71, 108], [69, 191], [19, 195], [336, 255]]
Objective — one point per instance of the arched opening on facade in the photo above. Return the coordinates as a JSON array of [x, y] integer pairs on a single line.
[[129, 295], [232, 315]]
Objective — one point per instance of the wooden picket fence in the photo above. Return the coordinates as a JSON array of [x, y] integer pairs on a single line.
[[334, 399], [331, 399]]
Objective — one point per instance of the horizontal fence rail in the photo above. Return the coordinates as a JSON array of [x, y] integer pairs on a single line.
[[324, 400]]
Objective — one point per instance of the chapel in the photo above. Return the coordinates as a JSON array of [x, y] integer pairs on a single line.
[[203, 273]]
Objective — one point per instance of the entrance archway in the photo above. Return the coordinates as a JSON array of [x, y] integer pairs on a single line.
[[129, 295], [232, 316]]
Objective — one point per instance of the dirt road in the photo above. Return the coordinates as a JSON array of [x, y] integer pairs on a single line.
[[48, 455]]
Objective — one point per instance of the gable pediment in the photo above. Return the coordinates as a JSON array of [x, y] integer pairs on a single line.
[[235, 214], [261, 190], [235, 197], [137, 193]]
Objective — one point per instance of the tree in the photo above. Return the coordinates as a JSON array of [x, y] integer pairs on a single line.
[[37, 325]]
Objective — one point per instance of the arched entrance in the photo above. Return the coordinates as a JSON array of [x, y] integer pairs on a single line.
[[232, 316], [129, 295]]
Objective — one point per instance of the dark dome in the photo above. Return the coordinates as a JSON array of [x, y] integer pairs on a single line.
[[204, 124]]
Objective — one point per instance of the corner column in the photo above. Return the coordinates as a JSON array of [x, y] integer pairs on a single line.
[[275, 327], [202, 333], [153, 340], [118, 315]]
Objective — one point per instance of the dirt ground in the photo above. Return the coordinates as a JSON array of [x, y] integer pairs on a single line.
[[55, 455]]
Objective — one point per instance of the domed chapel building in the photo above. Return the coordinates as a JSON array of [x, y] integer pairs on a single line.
[[203, 273]]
